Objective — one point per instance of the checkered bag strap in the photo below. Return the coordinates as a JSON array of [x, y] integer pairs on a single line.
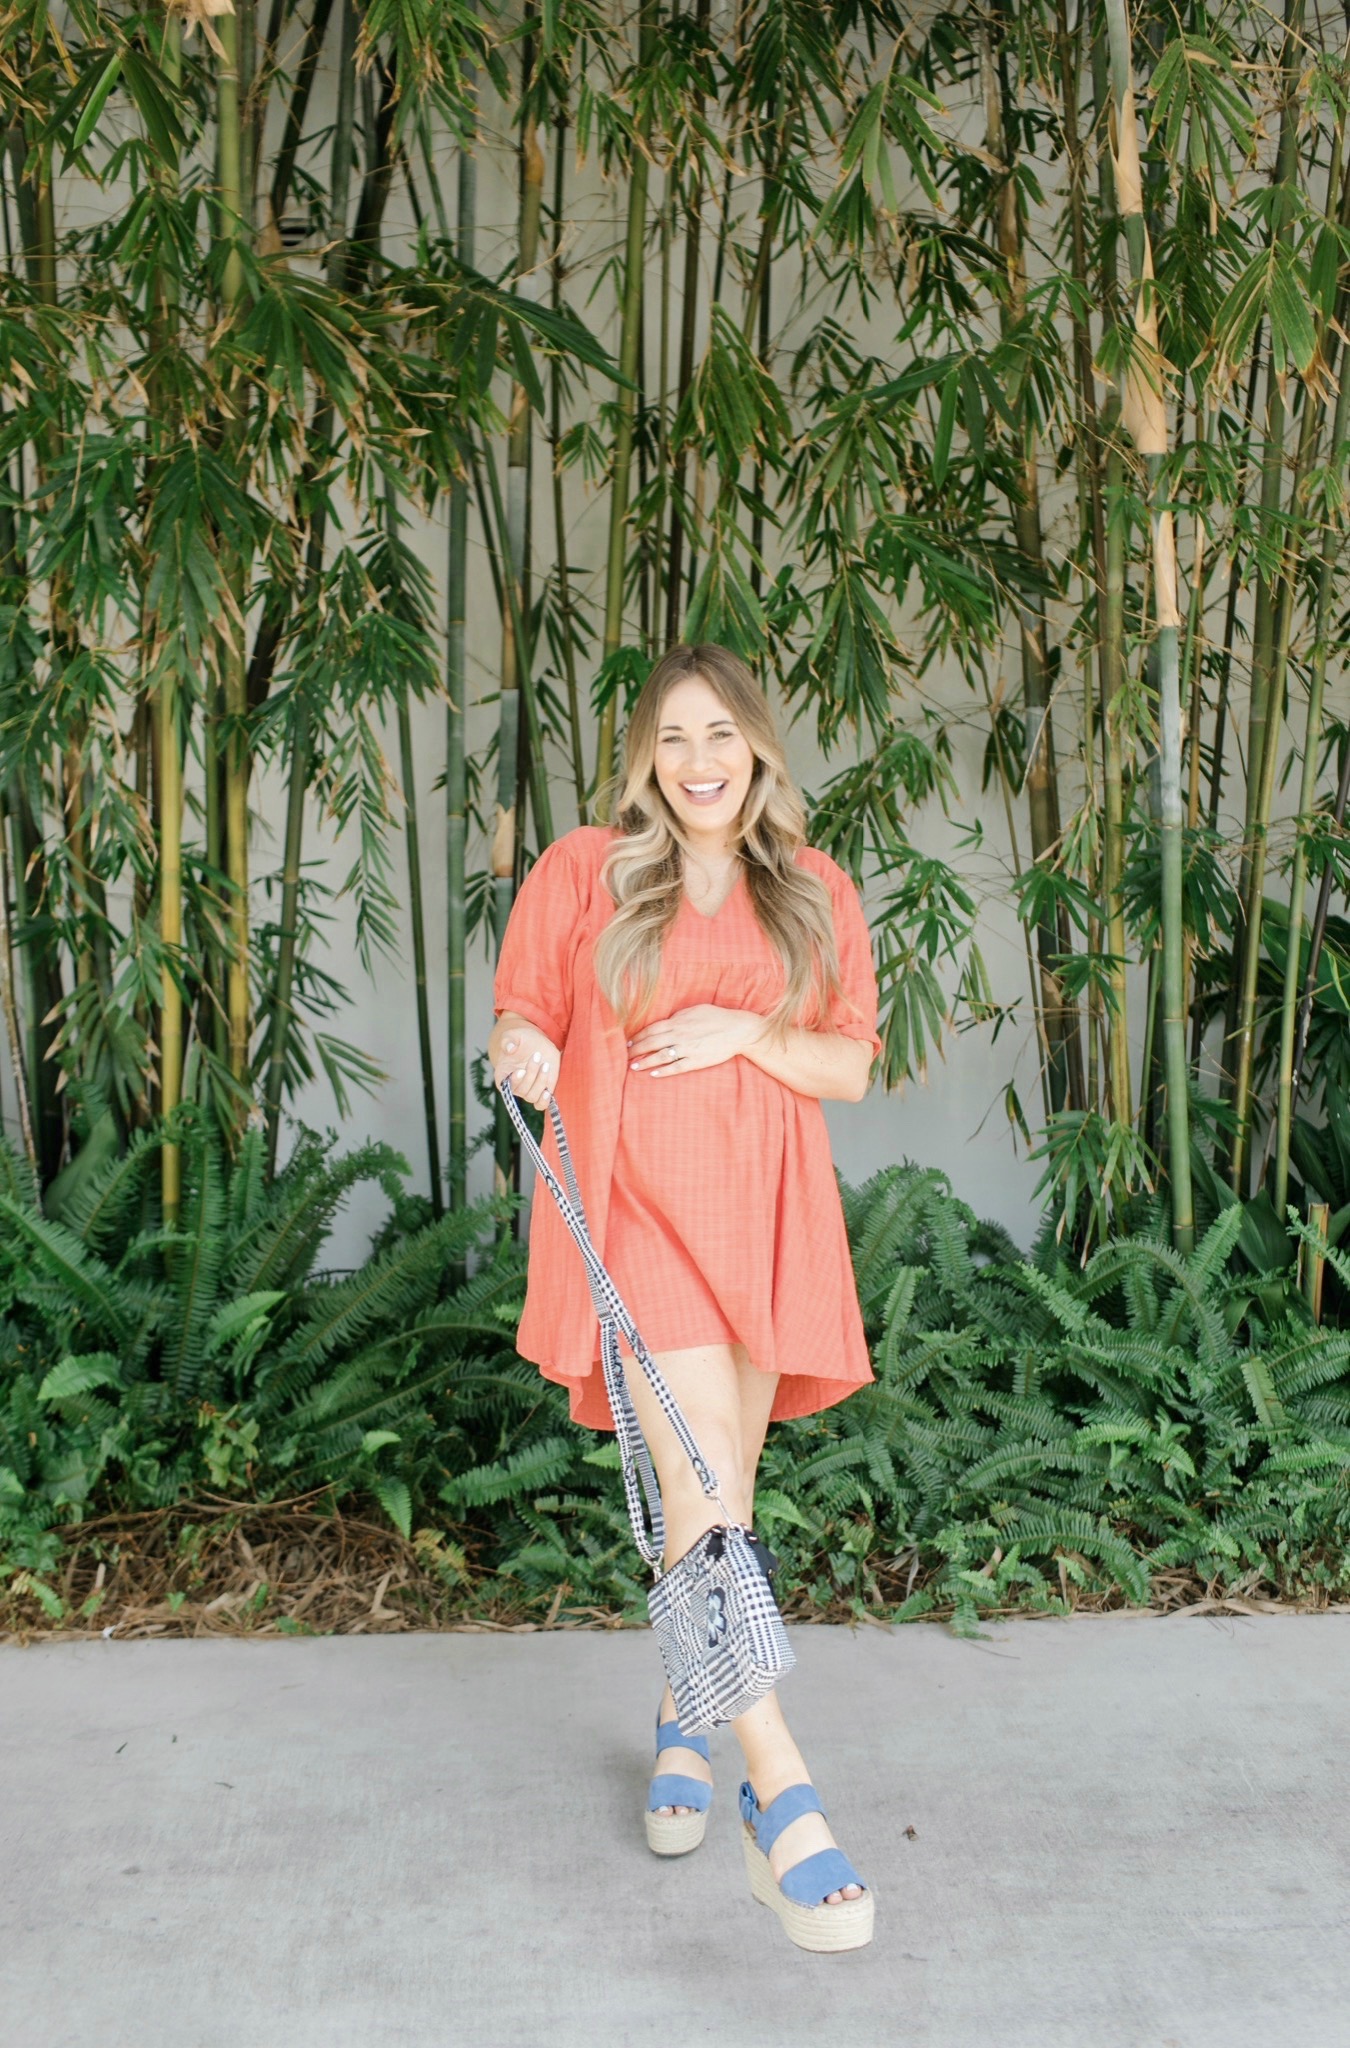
[[614, 1316]]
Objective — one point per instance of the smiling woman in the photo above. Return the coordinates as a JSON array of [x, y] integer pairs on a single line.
[[691, 983]]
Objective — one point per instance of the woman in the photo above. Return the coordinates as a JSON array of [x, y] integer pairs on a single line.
[[651, 977]]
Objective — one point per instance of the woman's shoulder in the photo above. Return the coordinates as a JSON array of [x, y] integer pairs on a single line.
[[579, 850], [582, 846], [567, 870], [589, 842], [818, 862]]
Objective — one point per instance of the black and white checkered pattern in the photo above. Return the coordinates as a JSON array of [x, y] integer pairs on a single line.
[[717, 1624]]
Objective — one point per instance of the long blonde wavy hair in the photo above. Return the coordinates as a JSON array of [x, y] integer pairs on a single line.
[[644, 866]]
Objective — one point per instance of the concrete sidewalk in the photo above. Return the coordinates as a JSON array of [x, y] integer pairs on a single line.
[[1127, 1833]]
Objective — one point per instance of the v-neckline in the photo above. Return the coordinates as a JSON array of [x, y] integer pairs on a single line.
[[711, 916]]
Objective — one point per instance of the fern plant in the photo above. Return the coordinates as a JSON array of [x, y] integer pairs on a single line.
[[141, 1366], [1034, 1425]]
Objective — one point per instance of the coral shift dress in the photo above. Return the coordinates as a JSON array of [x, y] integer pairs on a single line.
[[710, 1196]]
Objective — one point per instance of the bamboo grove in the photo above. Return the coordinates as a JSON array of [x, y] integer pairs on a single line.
[[966, 368]]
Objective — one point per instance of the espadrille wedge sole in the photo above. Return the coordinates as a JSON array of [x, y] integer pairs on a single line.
[[807, 1919], [675, 1834]]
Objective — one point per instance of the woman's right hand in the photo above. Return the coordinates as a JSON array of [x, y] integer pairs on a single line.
[[528, 1060]]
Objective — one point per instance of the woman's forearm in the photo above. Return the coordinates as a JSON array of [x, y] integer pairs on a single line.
[[823, 1063]]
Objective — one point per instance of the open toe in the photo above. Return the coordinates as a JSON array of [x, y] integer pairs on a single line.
[[809, 1898], [675, 1833]]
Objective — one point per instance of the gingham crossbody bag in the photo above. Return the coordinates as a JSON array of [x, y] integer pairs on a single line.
[[713, 1613]]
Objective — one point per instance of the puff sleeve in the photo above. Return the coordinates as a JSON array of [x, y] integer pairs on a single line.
[[855, 1016], [534, 968]]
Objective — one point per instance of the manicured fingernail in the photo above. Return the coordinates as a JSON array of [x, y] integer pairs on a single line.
[[519, 1072]]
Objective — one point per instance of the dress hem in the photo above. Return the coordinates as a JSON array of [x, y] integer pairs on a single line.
[[810, 1396]]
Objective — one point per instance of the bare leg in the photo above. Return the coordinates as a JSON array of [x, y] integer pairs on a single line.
[[727, 1401]]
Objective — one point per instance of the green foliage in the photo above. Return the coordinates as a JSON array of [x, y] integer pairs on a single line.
[[1031, 1424], [141, 1365], [889, 467]]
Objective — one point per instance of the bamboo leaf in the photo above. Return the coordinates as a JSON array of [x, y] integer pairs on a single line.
[[94, 105]]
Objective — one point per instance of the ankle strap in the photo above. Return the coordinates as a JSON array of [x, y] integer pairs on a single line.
[[670, 1735], [780, 1813]]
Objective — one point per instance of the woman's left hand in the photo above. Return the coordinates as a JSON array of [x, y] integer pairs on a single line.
[[702, 1036]]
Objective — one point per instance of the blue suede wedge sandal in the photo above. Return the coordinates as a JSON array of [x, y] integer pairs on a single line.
[[799, 1899], [675, 1834]]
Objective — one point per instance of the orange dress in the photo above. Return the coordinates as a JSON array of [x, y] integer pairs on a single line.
[[710, 1196]]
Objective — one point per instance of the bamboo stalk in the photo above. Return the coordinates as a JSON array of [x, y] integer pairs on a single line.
[[311, 50], [1042, 780], [353, 253], [763, 306], [1191, 666], [1230, 620], [701, 465], [246, 65], [456, 743], [693, 221], [419, 943], [634, 249], [12, 582], [1292, 1039], [654, 550], [1319, 928], [1113, 773], [1143, 410], [518, 747], [301, 738], [168, 753], [1251, 951], [10, 1008], [1313, 1263], [1263, 720], [1111, 1021], [1290, 1045], [261, 78], [1299, 877], [514, 617], [1286, 585], [45, 988], [566, 605], [417, 919], [1111, 547], [233, 672], [527, 702], [38, 935], [1006, 781], [408, 772]]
